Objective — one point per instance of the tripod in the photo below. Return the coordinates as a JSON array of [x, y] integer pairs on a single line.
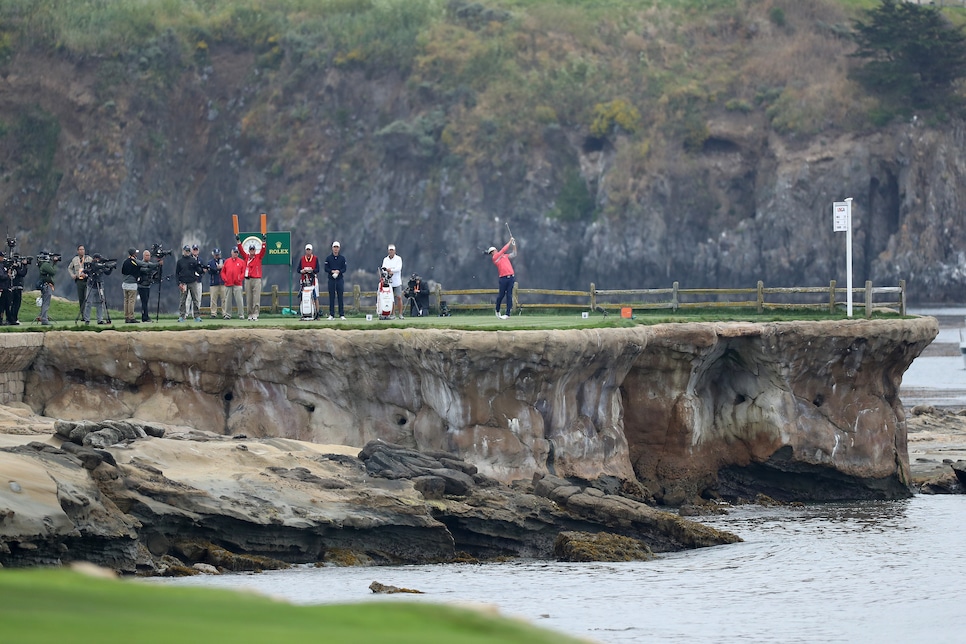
[[94, 282]]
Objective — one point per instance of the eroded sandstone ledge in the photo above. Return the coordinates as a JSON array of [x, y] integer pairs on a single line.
[[797, 410]]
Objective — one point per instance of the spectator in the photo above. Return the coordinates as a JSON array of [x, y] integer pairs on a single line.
[[77, 273], [253, 274], [189, 271], [216, 285], [233, 275], [6, 285]]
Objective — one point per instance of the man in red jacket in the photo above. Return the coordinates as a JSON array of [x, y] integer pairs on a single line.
[[233, 275], [253, 273]]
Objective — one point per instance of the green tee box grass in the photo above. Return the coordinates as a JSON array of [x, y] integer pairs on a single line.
[[56, 605]]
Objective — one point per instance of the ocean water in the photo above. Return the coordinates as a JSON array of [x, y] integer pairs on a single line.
[[854, 572], [862, 572]]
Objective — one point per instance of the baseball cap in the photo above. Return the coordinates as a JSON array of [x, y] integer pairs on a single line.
[[216, 251], [234, 249], [392, 247], [186, 247], [335, 243], [308, 247], [132, 251], [194, 247], [97, 256], [491, 249]]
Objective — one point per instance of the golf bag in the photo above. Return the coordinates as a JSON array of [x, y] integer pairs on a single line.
[[307, 303], [384, 295]]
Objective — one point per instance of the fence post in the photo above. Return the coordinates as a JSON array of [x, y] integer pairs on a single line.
[[357, 298], [761, 297], [593, 297], [513, 295], [439, 298], [674, 296], [831, 296], [275, 308], [868, 299], [902, 297]]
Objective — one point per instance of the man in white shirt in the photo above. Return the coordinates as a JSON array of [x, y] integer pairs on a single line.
[[393, 264]]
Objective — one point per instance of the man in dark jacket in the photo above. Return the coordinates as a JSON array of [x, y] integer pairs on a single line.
[[47, 272], [189, 271], [17, 274], [335, 268]]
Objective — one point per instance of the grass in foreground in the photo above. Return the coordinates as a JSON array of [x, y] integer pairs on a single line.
[[53, 605]]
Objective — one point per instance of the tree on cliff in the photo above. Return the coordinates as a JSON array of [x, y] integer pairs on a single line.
[[915, 55]]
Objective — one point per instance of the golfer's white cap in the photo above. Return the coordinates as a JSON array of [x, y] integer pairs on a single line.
[[491, 249], [392, 247], [308, 247], [335, 243]]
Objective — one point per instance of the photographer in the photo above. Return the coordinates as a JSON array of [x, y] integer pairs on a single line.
[[5, 282], [17, 272], [48, 269], [96, 269], [146, 278], [133, 269], [189, 271]]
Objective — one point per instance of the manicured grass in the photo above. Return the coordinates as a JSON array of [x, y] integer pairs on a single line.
[[52, 605], [64, 313]]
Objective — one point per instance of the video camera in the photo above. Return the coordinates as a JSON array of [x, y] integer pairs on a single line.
[[157, 251], [47, 256], [415, 285], [99, 266]]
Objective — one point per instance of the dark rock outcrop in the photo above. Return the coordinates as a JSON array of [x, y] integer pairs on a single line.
[[167, 506]]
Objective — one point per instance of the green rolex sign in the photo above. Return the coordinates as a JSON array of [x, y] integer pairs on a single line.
[[278, 247]]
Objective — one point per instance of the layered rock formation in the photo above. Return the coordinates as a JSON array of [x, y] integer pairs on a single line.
[[798, 410], [194, 500]]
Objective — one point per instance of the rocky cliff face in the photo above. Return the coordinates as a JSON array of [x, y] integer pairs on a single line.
[[804, 410], [108, 164]]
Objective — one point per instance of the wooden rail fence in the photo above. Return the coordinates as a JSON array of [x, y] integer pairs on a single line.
[[760, 298]]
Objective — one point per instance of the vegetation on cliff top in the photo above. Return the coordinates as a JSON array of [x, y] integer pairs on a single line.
[[502, 72]]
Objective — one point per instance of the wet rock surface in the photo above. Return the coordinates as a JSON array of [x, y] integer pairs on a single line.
[[195, 502]]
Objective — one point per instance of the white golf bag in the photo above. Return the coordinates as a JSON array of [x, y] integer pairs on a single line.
[[307, 303], [384, 295]]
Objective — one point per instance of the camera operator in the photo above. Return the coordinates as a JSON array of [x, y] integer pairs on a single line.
[[5, 282], [189, 271], [48, 269], [96, 270], [17, 272], [146, 277], [133, 269]]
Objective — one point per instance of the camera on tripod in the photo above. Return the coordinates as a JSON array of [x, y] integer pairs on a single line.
[[414, 286], [99, 266], [47, 256]]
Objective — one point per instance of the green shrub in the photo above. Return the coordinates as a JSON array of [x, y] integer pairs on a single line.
[[613, 115]]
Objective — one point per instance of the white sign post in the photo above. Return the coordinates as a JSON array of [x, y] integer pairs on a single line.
[[842, 221]]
